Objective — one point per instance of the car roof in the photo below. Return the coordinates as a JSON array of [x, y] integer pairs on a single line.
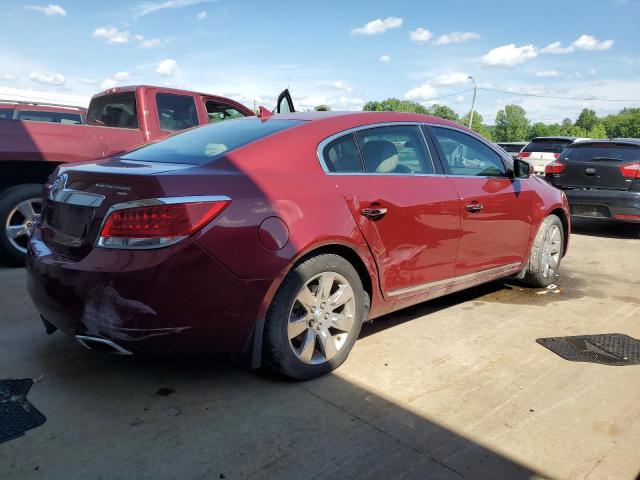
[[572, 139], [615, 142], [511, 143], [365, 118]]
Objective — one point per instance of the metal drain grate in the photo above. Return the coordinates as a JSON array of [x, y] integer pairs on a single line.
[[607, 349], [17, 415]]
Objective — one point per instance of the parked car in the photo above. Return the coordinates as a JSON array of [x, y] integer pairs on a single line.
[[41, 112], [277, 237], [541, 151], [513, 148], [30, 151], [601, 178]]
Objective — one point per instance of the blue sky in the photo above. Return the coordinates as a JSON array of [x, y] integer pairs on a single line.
[[336, 52]]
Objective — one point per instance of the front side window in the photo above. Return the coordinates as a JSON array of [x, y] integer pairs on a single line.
[[468, 156], [116, 110], [176, 112], [341, 155], [394, 149], [218, 112]]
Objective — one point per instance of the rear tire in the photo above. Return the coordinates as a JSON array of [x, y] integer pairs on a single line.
[[18, 207], [546, 253], [315, 318]]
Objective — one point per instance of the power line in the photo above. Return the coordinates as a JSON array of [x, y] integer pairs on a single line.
[[592, 99], [451, 94]]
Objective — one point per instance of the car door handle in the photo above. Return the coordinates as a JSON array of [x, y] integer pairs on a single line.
[[474, 207], [373, 213]]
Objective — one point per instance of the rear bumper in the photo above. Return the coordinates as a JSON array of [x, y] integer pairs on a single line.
[[174, 300], [607, 204]]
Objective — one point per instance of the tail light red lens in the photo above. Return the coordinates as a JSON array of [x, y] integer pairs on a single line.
[[555, 167], [524, 154], [157, 225], [630, 170]]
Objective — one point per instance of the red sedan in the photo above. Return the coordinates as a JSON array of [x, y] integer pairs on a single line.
[[276, 238]]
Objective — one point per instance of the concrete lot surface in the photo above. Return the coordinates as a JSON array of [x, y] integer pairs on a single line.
[[455, 388]]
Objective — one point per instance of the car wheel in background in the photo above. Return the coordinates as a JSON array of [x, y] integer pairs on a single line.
[[315, 317], [19, 210], [546, 253]]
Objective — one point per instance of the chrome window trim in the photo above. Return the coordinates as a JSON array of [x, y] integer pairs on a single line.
[[353, 130], [149, 243], [454, 281], [77, 197]]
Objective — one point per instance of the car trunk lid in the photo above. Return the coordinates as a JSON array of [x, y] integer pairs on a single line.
[[597, 166]]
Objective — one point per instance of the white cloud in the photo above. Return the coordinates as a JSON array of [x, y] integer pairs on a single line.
[[385, 59], [456, 37], [450, 79], [548, 73], [145, 8], [50, 9], [202, 15], [108, 83], [589, 42], [122, 76], [340, 85], [423, 92], [113, 35], [86, 81], [47, 78], [167, 67], [459, 99], [509, 55], [420, 35], [593, 71], [9, 77], [556, 48], [377, 26], [151, 43]]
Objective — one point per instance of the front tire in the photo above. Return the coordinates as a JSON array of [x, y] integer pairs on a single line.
[[546, 253], [19, 210], [315, 318]]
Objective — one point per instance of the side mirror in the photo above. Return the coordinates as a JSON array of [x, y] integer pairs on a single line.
[[522, 169]]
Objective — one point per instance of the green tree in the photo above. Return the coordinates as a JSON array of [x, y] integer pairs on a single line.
[[478, 125], [322, 108], [587, 119], [539, 129], [625, 124], [394, 105], [598, 131], [445, 112], [511, 124]]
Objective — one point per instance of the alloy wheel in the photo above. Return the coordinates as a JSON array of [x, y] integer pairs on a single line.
[[321, 318], [20, 222], [551, 251]]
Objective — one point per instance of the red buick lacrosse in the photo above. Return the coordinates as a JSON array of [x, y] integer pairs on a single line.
[[275, 238]]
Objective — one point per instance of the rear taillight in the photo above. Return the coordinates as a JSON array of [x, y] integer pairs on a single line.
[[630, 170], [524, 154], [159, 222], [555, 167]]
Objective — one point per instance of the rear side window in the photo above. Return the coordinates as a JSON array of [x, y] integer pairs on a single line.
[[341, 155], [6, 113], [117, 110], [551, 145], [55, 117], [218, 112], [176, 112], [468, 156], [203, 144], [603, 152]]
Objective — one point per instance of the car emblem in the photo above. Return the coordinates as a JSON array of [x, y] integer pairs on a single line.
[[58, 186], [589, 171]]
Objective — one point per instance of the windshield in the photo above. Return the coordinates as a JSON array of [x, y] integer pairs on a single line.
[[199, 145], [604, 152], [550, 145], [510, 147]]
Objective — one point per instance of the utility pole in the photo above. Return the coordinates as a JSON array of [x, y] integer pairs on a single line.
[[473, 102]]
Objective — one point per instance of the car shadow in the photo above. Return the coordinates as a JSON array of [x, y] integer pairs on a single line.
[[605, 228]]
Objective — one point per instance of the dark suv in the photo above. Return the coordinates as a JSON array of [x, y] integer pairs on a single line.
[[601, 178]]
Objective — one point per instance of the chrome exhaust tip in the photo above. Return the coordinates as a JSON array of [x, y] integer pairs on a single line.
[[97, 343]]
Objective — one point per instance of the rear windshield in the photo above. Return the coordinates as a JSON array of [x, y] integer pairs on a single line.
[[614, 153], [551, 145], [117, 110], [510, 147], [201, 144], [54, 117]]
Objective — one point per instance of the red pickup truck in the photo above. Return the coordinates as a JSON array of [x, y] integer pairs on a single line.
[[41, 112], [117, 120]]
